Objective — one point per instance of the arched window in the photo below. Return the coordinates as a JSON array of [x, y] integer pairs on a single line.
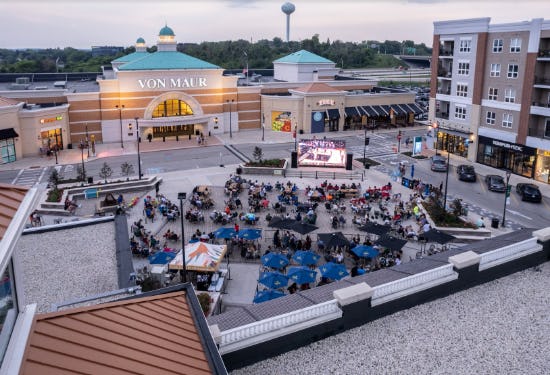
[[172, 107]]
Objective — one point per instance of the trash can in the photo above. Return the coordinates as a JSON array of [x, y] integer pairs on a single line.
[[239, 170], [90, 180], [494, 223]]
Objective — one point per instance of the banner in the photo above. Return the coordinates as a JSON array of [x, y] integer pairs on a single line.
[[281, 122]]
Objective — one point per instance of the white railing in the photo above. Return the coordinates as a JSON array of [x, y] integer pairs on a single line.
[[412, 284], [263, 330], [505, 254]]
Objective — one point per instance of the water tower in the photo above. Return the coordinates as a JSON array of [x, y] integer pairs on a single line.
[[288, 9]]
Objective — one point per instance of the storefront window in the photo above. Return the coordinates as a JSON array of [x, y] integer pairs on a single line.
[[519, 159], [50, 139], [454, 144], [172, 107], [7, 150], [542, 169], [8, 309]]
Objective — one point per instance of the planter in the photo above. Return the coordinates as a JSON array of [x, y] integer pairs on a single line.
[[271, 171]]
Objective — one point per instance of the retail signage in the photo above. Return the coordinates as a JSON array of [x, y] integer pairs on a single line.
[[172, 83], [326, 102], [51, 119], [509, 146]]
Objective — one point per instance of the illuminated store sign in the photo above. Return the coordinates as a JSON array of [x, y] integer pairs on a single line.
[[325, 102], [51, 119], [171, 83]]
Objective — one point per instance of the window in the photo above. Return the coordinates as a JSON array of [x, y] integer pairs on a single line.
[[460, 112], [515, 45], [465, 45], [495, 70], [172, 107], [8, 312], [461, 89], [547, 129], [493, 93], [507, 120], [509, 95], [491, 118], [463, 68], [513, 70], [7, 151], [497, 45]]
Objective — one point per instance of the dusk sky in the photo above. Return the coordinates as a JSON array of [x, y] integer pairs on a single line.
[[81, 24]]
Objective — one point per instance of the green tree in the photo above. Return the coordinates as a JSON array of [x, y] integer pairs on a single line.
[[258, 154], [54, 178], [81, 173], [127, 169], [105, 171]]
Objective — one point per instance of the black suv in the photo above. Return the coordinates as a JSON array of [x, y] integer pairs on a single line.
[[529, 192], [466, 173]]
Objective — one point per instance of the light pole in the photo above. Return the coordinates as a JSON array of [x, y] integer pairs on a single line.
[[182, 197], [367, 140], [82, 156], [436, 127], [120, 108], [230, 126], [506, 196], [447, 175], [263, 127], [246, 71], [55, 152], [87, 144], [138, 141], [295, 136]]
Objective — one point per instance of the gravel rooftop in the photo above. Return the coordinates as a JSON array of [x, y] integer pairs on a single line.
[[501, 327]]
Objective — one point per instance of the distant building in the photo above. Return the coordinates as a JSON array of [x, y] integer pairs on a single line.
[[106, 50], [490, 93]]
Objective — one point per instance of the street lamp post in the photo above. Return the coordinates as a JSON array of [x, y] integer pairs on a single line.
[[447, 175], [506, 196], [246, 72], [367, 140], [230, 125], [138, 141], [182, 197], [82, 157], [263, 127], [120, 108], [55, 153], [87, 144], [436, 127]]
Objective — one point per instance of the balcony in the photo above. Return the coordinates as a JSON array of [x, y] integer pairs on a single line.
[[540, 109], [444, 73], [543, 55], [445, 53], [441, 115], [444, 91], [542, 82]]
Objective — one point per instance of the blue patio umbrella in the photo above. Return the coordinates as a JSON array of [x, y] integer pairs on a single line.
[[363, 251], [274, 260], [249, 233], [273, 280], [225, 233], [161, 257], [333, 271], [267, 295], [302, 275], [306, 258]]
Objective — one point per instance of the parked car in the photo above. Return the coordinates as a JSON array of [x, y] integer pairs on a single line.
[[529, 192], [438, 163], [466, 173], [495, 183]]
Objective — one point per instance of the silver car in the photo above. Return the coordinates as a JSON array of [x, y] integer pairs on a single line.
[[438, 164]]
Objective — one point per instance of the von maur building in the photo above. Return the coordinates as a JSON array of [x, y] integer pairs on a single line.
[[170, 95]]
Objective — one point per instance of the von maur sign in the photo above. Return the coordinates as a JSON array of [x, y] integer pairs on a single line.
[[172, 83]]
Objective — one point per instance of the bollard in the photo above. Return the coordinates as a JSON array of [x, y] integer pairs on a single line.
[[315, 174]]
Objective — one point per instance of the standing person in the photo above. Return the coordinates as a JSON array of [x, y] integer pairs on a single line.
[[199, 140], [237, 227], [412, 171]]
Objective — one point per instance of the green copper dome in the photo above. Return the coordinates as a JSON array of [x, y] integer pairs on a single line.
[[166, 31], [140, 40]]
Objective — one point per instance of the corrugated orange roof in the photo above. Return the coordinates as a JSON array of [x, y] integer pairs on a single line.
[[11, 197], [7, 101], [315, 87], [150, 335]]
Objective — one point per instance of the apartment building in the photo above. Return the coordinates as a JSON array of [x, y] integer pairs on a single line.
[[490, 94]]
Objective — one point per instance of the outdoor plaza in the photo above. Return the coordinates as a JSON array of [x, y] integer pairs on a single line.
[[257, 238]]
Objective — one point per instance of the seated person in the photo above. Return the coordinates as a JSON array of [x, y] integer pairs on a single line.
[[480, 223]]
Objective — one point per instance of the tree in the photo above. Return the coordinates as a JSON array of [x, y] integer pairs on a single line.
[[258, 154], [81, 173], [105, 172], [127, 169], [54, 178]]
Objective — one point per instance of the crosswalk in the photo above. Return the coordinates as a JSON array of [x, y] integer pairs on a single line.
[[29, 177]]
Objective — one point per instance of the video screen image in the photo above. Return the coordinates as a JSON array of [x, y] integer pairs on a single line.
[[321, 153]]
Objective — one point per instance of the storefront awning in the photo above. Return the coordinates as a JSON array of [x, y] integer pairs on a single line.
[[383, 110], [415, 108], [352, 111], [8, 133], [333, 113], [397, 110], [370, 111]]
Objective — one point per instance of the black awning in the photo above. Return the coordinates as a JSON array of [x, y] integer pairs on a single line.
[[383, 110], [397, 110], [405, 108], [371, 112], [8, 133], [416, 109], [333, 113], [352, 111]]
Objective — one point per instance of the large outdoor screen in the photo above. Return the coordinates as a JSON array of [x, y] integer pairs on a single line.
[[321, 153]]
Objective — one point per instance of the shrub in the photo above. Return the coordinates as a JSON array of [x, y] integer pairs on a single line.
[[204, 300], [270, 163], [54, 195], [127, 169], [258, 154], [105, 171], [443, 218]]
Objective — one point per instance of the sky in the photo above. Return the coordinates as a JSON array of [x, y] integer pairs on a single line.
[[83, 23]]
